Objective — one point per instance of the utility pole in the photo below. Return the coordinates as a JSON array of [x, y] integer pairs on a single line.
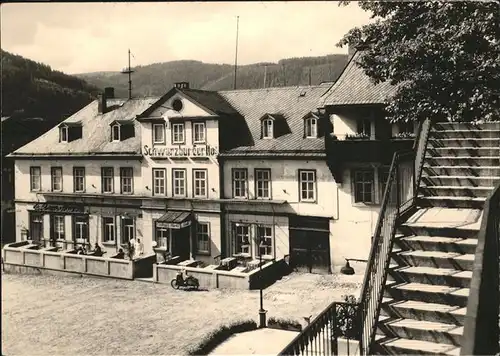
[[129, 71], [265, 76], [309, 76], [236, 53]]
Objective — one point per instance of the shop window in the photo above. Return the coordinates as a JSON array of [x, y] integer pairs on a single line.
[[241, 240], [128, 230], [108, 229], [126, 180], [200, 183], [159, 176], [307, 185], [79, 179], [199, 132], [36, 227], [159, 133], [35, 179], [58, 228], [162, 238], [107, 179], [56, 176], [81, 229], [263, 183], [177, 133], [179, 182], [203, 237], [265, 240], [363, 185], [240, 177]]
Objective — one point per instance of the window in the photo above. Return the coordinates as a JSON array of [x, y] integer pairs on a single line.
[[159, 176], [177, 133], [241, 241], [158, 133], [115, 133], [179, 182], [126, 180], [35, 179], [200, 183], [407, 127], [267, 128], [36, 227], [265, 240], [311, 127], [56, 174], [263, 183], [79, 179], [163, 238], [81, 228], [58, 227], [307, 185], [128, 230], [203, 237], [239, 183], [63, 134], [364, 185], [198, 132], [365, 127], [107, 179], [108, 229]]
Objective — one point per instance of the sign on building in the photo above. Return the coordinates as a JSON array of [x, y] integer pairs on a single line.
[[179, 152]]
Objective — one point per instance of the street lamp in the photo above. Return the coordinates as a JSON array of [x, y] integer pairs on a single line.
[[262, 312]]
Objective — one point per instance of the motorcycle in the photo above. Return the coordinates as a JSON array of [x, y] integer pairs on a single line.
[[186, 283]]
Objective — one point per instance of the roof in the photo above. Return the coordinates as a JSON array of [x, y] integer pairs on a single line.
[[95, 133], [211, 100], [293, 103], [354, 87]]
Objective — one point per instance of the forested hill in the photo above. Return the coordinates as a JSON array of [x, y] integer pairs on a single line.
[[156, 79], [31, 89]]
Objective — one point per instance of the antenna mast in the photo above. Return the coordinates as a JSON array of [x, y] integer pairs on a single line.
[[129, 71], [236, 54]]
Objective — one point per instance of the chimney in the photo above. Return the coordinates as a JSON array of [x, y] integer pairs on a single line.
[[182, 85], [102, 105], [109, 92]]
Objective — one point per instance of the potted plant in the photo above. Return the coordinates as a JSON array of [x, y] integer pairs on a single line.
[[284, 324]]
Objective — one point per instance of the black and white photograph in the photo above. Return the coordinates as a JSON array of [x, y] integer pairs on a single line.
[[250, 178]]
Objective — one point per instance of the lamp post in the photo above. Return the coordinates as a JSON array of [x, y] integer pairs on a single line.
[[262, 312]]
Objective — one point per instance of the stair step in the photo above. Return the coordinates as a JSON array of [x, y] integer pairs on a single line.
[[491, 161], [438, 243], [451, 202], [457, 170], [439, 259], [424, 330], [414, 347], [463, 142], [463, 151], [465, 181], [489, 125], [431, 275], [456, 191], [410, 309], [427, 293], [471, 133]]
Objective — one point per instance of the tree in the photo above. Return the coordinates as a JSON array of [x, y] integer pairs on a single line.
[[443, 57]]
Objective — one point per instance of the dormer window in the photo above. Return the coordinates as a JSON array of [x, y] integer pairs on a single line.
[[63, 134], [311, 127], [115, 132], [267, 128]]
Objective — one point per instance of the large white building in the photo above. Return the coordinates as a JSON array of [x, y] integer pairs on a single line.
[[210, 174]]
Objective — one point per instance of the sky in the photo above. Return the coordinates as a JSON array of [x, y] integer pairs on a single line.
[[92, 37]]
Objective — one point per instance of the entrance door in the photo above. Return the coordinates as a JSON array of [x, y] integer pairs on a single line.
[[310, 245], [180, 243], [36, 227]]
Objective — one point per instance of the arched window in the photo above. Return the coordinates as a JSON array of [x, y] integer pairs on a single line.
[[311, 127], [267, 128]]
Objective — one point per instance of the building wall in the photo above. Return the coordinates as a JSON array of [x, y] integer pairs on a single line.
[[285, 184], [92, 176]]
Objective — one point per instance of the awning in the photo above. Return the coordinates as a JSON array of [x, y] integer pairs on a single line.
[[174, 220]]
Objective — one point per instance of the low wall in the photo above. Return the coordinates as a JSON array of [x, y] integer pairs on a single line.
[[24, 255], [210, 278]]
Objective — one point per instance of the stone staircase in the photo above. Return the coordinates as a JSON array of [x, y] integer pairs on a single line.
[[427, 289]]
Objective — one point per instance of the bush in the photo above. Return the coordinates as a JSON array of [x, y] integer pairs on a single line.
[[284, 323], [217, 337]]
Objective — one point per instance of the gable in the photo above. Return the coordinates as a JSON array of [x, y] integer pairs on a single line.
[[189, 108]]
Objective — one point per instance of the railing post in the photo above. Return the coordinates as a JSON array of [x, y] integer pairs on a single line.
[[398, 186], [335, 350]]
